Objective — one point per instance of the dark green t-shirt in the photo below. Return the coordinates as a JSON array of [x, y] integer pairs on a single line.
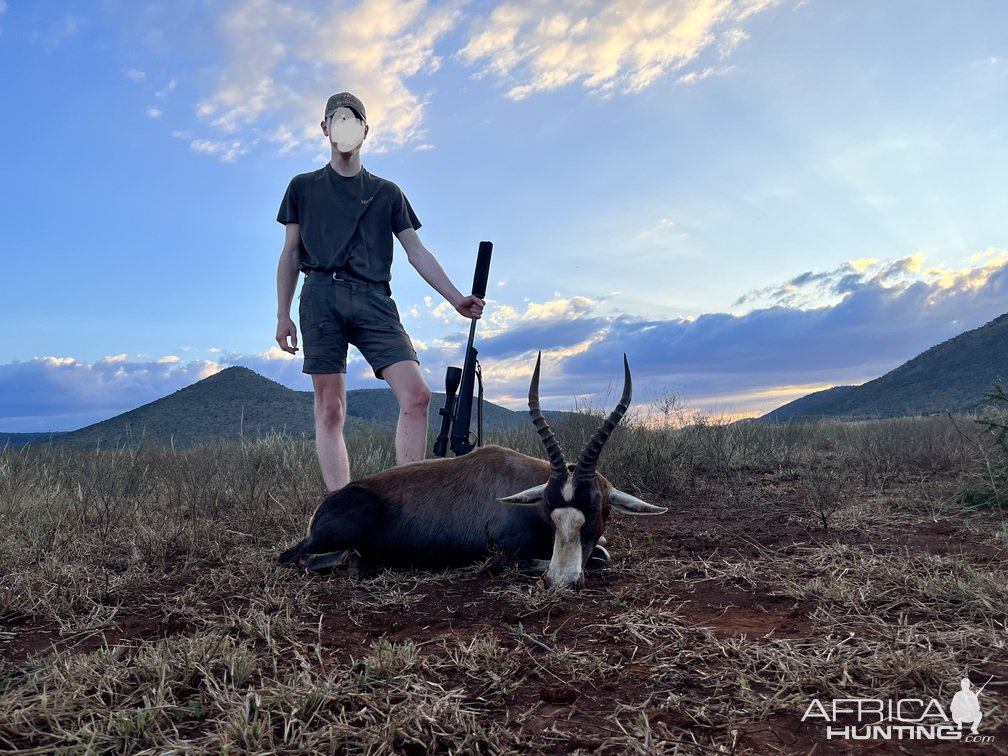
[[347, 222]]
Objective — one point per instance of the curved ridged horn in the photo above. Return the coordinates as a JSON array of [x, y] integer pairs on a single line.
[[589, 457], [558, 466]]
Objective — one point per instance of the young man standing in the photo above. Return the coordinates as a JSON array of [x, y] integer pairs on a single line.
[[339, 222]]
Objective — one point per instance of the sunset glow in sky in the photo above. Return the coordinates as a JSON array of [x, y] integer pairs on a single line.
[[752, 198]]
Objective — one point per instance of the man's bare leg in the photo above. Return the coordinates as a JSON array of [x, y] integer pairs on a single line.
[[330, 414], [414, 398]]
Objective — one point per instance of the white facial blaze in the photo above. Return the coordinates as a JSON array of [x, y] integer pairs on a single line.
[[565, 565], [568, 489]]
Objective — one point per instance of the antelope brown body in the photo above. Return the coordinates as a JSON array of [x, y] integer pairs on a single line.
[[443, 512]]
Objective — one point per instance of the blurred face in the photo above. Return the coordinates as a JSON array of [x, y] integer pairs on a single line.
[[346, 131]]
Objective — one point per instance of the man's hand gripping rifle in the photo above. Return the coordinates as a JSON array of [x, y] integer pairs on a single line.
[[456, 415]]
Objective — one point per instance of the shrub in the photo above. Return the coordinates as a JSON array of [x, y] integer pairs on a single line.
[[988, 487]]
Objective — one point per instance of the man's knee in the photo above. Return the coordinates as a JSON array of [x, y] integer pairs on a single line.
[[330, 410], [416, 399], [330, 414]]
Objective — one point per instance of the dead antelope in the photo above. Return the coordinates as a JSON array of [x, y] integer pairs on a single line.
[[444, 512]]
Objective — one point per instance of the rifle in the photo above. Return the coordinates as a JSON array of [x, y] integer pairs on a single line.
[[984, 685], [456, 415]]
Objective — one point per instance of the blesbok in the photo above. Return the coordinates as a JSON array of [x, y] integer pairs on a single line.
[[443, 512]]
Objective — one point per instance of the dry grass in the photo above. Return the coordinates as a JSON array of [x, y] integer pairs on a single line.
[[141, 610]]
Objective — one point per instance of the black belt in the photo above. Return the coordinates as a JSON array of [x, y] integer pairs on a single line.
[[346, 276]]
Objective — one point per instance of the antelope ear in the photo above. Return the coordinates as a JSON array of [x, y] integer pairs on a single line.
[[631, 505], [528, 498]]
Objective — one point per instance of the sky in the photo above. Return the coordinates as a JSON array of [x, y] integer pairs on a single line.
[[753, 199]]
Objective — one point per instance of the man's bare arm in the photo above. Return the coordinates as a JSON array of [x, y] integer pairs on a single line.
[[431, 271], [287, 275]]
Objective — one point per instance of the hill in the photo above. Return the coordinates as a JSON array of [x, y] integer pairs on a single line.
[[235, 402], [955, 375], [239, 403]]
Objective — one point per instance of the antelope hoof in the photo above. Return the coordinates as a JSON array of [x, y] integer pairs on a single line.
[[320, 563], [533, 567], [599, 558]]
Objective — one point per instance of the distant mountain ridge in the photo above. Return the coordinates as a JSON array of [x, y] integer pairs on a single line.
[[231, 404], [955, 375], [239, 403], [235, 403]]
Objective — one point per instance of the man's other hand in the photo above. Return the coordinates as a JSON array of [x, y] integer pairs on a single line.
[[287, 330]]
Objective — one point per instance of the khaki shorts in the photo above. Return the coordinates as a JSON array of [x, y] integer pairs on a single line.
[[336, 313]]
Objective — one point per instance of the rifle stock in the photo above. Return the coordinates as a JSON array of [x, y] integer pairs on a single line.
[[460, 443], [457, 413]]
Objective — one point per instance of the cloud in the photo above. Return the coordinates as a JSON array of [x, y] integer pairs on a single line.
[[62, 393], [884, 313], [880, 314], [730, 40], [227, 151], [818, 329], [283, 60], [58, 33], [695, 77], [883, 318], [168, 89], [820, 288], [285, 138], [279, 61], [560, 324], [140, 77], [605, 45]]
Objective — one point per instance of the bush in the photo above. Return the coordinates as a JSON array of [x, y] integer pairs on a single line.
[[988, 487]]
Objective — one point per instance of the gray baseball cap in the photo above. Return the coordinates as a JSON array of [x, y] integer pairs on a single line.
[[345, 99]]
